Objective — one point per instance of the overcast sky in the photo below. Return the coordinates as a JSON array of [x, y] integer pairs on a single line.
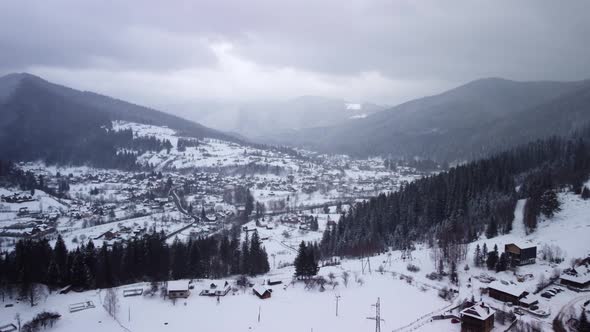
[[386, 51]]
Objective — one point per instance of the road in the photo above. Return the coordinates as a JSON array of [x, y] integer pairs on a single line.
[[560, 323]]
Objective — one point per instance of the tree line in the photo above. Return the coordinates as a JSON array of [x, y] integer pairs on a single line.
[[148, 258]]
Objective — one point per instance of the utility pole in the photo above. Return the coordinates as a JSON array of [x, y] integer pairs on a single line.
[[259, 314], [337, 299], [377, 317]]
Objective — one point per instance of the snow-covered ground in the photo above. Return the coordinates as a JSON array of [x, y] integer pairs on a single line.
[[293, 308]]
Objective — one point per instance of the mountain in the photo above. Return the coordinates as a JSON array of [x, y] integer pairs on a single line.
[[260, 119], [467, 122], [42, 120]]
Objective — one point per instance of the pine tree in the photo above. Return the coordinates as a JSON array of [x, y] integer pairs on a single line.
[[53, 274], [60, 255], [300, 260], [477, 256], [585, 193], [549, 203], [492, 258], [79, 271], [245, 265]]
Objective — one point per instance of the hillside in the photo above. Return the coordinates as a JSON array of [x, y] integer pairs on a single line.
[[42, 120], [467, 122]]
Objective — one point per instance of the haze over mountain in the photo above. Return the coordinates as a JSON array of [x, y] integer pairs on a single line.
[[256, 119], [472, 120]]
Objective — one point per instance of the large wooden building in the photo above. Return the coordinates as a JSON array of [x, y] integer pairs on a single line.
[[521, 254], [477, 318], [578, 277], [506, 292]]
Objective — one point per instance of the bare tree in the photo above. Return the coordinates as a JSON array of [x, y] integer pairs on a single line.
[[345, 277], [111, 303]]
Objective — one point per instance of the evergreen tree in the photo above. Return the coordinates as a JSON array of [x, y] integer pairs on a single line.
[[585, 193], [492, 258], [477, 256], [550, 203], [79, 272]]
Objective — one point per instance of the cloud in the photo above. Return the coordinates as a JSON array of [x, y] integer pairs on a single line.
[[388, 51]]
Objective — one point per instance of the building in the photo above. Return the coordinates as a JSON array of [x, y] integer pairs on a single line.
[[215, 290], [477, 318], [578, 277], [178, 288], [521, 254], [261, 291], [506, 292]]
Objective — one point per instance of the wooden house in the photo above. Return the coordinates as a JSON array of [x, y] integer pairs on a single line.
[[261, 291], [477, 318], [178, 289], [506, 292], [521, 254], [578, 277]]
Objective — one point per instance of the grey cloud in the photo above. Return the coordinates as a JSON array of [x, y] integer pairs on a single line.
[[410, 43]]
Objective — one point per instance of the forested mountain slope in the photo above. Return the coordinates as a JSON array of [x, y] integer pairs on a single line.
[[43, 121], [469, 122]]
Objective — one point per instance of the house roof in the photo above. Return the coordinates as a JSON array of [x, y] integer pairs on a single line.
[[479, 311], [511, 289], [259, 289], [177, 285], [523, 245], [581, 275]]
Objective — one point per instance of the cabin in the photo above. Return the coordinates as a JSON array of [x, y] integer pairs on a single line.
[[521, 254], [178, 289], [477, 318], [506, 292], [261, 291], [578, 277], [215, 290]]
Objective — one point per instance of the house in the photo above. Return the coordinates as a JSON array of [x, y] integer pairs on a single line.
[[215, 290], [178, 288], [578, 277], [261, 291], [477, 318], [506, 292], [521, 254]]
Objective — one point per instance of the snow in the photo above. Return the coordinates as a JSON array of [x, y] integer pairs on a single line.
[[177, 285], [480, 311]]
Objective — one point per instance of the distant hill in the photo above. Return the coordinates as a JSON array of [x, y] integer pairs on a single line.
[[467, 122], [42, 120], [259, 119]]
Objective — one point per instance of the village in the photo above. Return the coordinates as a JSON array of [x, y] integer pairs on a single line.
[[208, 196]]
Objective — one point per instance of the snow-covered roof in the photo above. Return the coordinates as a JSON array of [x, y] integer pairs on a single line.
[[511, 289], [581, 275], [529, 299], [259, 289], [177, 285], [480, 311]]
